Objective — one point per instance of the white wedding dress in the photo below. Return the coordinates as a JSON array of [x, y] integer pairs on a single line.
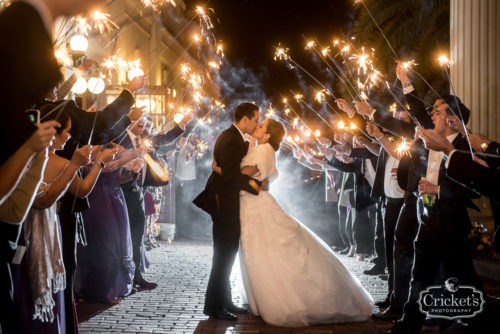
[[291, 277]]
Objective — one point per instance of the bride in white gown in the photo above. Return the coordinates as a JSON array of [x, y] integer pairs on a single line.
[[291, 277]]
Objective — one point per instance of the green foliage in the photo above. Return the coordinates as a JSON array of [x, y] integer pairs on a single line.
[[416, 29]]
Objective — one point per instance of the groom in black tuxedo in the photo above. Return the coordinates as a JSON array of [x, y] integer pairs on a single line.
[[221, 200]]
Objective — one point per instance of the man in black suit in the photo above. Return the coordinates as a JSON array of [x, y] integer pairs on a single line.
[[475, 175], [222, 201], [133, 192], [442, 239], [29, 70]]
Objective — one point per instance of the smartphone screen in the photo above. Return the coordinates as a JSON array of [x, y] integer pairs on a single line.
[[33, 116]]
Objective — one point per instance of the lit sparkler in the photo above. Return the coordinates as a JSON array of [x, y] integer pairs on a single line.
[[403, 148], [443, 60], [102, 22], [310, 45], [281, 53], [270, 111], [409, 64], [82, 26], [393, 107], [320, 96], [154, 4], [220, 50], [213, 65]]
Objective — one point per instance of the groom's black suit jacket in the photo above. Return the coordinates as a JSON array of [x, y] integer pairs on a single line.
[[221, 195]]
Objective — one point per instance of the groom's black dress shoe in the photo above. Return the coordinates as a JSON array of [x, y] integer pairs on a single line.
[[236, 309], [220, 314], [384, 303], [375, 270], [388, 314]]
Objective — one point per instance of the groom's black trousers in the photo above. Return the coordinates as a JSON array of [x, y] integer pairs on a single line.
[[226, 236]]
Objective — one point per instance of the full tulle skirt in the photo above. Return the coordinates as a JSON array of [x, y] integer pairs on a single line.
[[291, 277]]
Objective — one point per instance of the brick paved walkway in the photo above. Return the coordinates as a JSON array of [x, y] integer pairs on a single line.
[[181, 270]]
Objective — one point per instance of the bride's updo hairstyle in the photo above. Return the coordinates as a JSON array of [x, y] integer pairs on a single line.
[[276, 132]]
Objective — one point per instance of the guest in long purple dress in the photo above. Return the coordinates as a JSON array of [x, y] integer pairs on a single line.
[[105, 266]]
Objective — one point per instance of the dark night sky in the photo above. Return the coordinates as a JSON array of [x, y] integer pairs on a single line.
[[250, 29]]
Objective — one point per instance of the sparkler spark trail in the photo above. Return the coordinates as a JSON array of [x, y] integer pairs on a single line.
[[155, 4], [320, 96], [82, 26], [403, 148], [443, 60], [409, 64], [281, 53], [102, 22]]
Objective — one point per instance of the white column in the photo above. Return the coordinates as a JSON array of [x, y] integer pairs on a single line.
[[475, 49]]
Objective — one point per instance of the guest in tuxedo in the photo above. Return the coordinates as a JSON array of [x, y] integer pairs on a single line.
[[133, 192], [471, 173], [461, 168], [29, 70], [222, 201], [386, 187], [442, 239]]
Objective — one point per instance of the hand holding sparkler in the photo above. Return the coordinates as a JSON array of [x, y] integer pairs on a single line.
[[325, 142], [455, 123], [135, 165], [364, 108], [136, 84], [43, 136], [104, 155], [374, 131], [344, 105], [362, 140], [433, 140], [402, 72], [135, 113], [81, 156]]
